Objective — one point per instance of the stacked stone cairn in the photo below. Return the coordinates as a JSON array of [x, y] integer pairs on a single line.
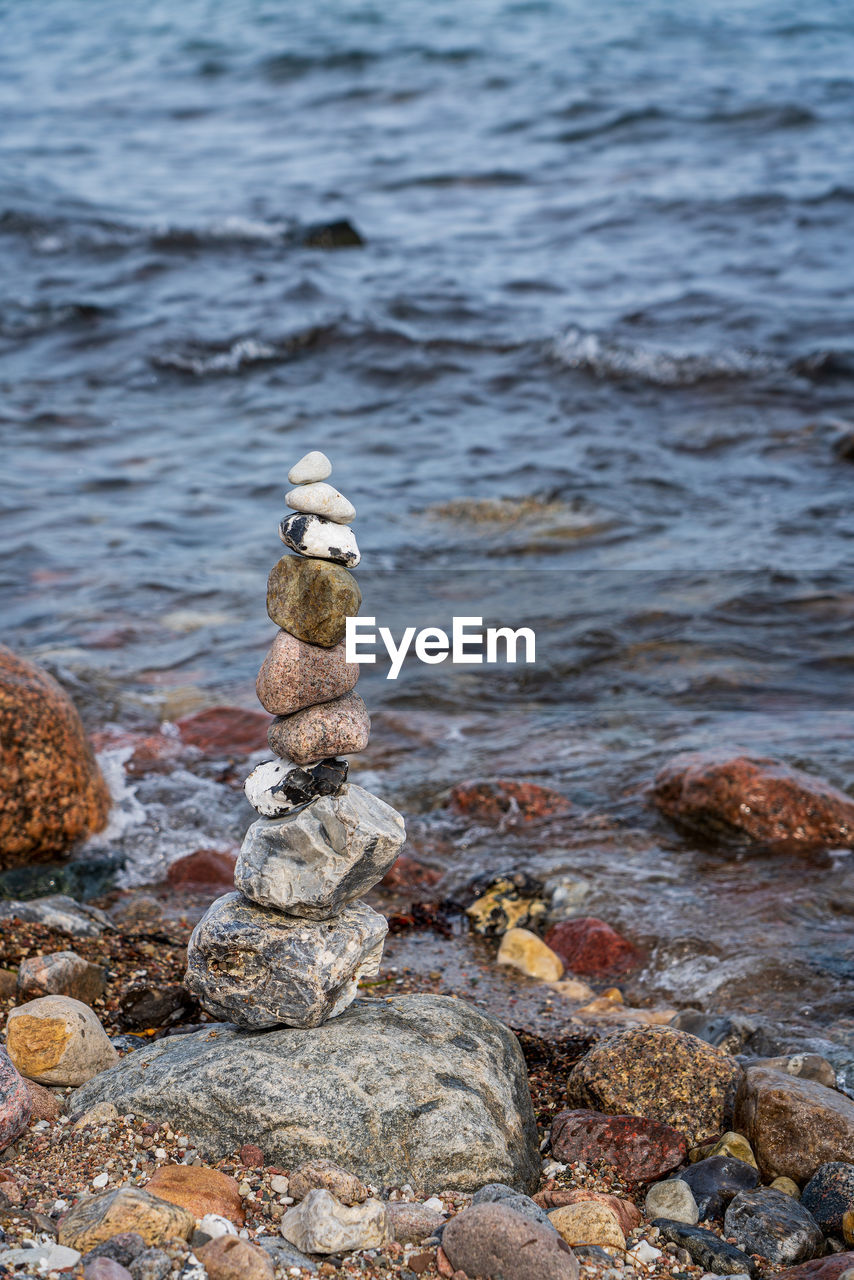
[[290, 946]]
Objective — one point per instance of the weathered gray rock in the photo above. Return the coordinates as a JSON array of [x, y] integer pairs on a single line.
[[500, 1193], [59, 912], [259, 968], [312, 862], [419, 1089], [61, 973], [707, 1249], [322, 1224], [672, 1199], [325, 1175], [412, 1223], [774, 1225], [829, 1195], [320, 539]]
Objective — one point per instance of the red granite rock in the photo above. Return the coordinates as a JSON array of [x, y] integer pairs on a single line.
[[16, 1105], [819, 1268], [225, 731], [500, 800], [205, 869], [592, 948], [640, 1150], [407, 874], [627, 1214], [753, 798], [295, 675], [61, 973], [492, 1240]]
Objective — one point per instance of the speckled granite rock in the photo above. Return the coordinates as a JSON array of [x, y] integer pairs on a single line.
[[364, 1090], [338, 728], [793, 1125], [16, 1104], [312, 599], [314, 861], [829, 1195], [492, 1240], [61, 973], [296, 675], [260, 968], [819, 1268], [773, 1225], [323, 539], [51, 790], [662, 1074]]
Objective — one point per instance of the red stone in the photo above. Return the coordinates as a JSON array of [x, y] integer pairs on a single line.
[[149, 752], [499, 800], [640, 1150], [251, 1156], [204, 869], [819, 1268], [591, 947], [229, 731], [628, 1214], [16, 1105], [753, 798], [407, 875]]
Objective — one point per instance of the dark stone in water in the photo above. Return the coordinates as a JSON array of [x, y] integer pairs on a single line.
[[706, 1249], [774, 1225], [340, 234], [844, 447], [732, 1034], [80, 880], [716, 1180]]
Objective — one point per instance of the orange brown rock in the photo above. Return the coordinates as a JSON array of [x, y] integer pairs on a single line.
[[199, 1189]]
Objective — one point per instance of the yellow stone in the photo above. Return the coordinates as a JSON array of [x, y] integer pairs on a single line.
[[603, 1009], [787, 1186], [56, 1040], [90, 1222], [528, 953], [573, 989], [502, 907], [848, 1226], [36, 1045], [613, 993], [731, 1144], [587, 1223]]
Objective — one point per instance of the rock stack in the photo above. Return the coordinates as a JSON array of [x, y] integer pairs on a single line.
[[289, 947]]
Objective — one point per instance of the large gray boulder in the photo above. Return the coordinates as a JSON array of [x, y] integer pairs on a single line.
[[259, 968], [420, 1089], [312, 862]]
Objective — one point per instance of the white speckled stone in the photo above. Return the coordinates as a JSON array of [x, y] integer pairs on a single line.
[[321, 500], [321, 1224], [311, 467], [312, 862], [320, 539]]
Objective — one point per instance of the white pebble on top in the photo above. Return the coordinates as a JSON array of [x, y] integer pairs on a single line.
[[321, 500], [310, 468]]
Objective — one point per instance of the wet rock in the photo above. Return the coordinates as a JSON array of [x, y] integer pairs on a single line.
[[151, 1264], [198, 1189], [295, 675], [809, 1066], [322, 1224], [409, 876], [661, 1074], [501, 801], [505, 902], [412, 1223], [715, 1181], [731, 1144], [144, 1005], [224, 731], [81, 880], [706, 1249], [124, 1210], [51, 790], [311, 467], [314, 861], [589, 1222], [324, 539], [627, 1214], [753, 798], [229, 1258], [494, 1242], [773, 1225], [640, 1149], [59, 912], [57, 1040], [312, 599], [122, 1248], [16, 1104], [729, 1032], [204, 869], [524, 951], [396, 1064], [105, 1269], [673, 1200], [325, 1175], [321, 499], [793, 1125], [259, 968], [500, 1193], [340, 234], [592, 948], [829, 1195], [342, 727]]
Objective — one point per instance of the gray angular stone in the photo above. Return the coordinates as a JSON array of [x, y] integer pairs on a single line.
[[315, 860], [321, 539], [259, 968], [59, 912], [672, 1199], [775, 1226], [412, 1223], [284, 1254], [416, 1089], [500, 1193], [322, 1224]]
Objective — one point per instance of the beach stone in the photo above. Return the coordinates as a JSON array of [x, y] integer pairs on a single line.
[[324, 539], [224, 731], [793, 1125], [495, 1242], [122, 1248], [124, 1210], [322, 1224], [151, 1264], [146, 1005], [105, 1269], [773, 1225], [295, 675], [284, 1254], [314, 861], [524, 951], [502, 801], [731, 1144], [341, 727], [46, 1105], [588, 1222], [592, 948], [706, 1249], [505, 902], [848, 1227], [500, 1193], [57, 1040], [809, 1066], [641, 1150], [202, 869], [258, 968], [672, 1199], [312, 466], [274, 788], [628, 1215], [40, 1260], [312, 599], [52, 792], [786, 1185], [412, 1223], [753, 798], [363, 1090], [61, 973], [715, 1181], [320, 499], [230, 1258], [659, 1073], [56, 911], [829, 1195], [832, 1268], [199, 1189], [326, 1175], [16, 1104]]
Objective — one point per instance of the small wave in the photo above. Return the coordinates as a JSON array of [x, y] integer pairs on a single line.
[[242, 353], [619, 362]]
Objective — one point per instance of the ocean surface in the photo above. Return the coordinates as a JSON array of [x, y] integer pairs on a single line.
[[582, 362]]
